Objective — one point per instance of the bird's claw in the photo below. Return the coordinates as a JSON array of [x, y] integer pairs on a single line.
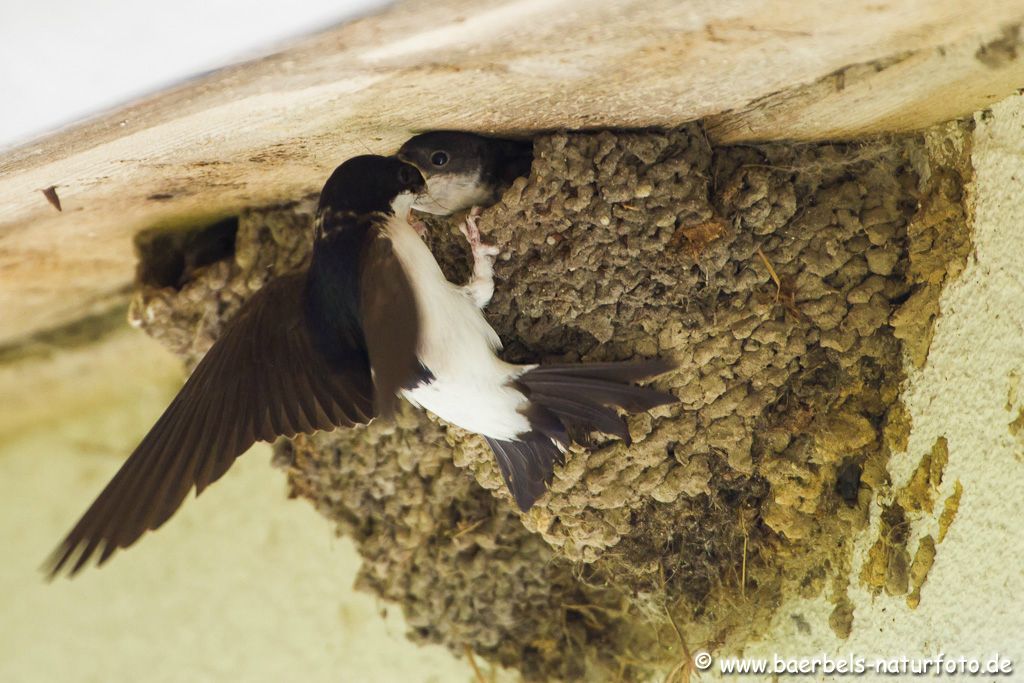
[[481, 284], [471, 232]]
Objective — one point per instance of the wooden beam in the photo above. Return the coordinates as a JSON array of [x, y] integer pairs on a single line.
[[272, 129]]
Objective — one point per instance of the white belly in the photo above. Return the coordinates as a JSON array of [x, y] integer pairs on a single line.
[[490, 410], [470, 387]]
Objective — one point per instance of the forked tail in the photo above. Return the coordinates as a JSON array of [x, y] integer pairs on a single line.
[[567, 403]]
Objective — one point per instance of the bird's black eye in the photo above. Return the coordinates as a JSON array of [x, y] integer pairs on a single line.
[[407, 175], [439, 158]]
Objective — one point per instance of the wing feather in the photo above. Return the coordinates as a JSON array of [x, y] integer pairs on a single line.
[[262, 379], [390, 321]]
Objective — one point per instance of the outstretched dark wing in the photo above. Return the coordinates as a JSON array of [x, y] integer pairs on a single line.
[[261, 379]]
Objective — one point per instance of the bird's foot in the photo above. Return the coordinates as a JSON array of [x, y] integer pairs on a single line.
[[471, 232], [481, 285]]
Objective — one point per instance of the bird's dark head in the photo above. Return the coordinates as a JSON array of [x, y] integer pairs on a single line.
[[464, 169], [371, 183]]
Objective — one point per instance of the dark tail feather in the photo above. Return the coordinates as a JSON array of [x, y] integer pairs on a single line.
[[568, 402], [622, 372], [599, 386], [600, 419], [527, 465]]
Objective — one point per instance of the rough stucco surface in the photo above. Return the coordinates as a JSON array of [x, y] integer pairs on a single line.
[[638, 244], [969, 397]]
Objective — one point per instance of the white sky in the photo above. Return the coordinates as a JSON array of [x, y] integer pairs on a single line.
[[63, 60]]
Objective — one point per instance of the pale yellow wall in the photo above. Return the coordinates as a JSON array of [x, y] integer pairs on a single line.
[[241, 585]]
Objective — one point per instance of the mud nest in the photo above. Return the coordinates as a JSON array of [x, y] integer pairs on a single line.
[[775, 275]]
